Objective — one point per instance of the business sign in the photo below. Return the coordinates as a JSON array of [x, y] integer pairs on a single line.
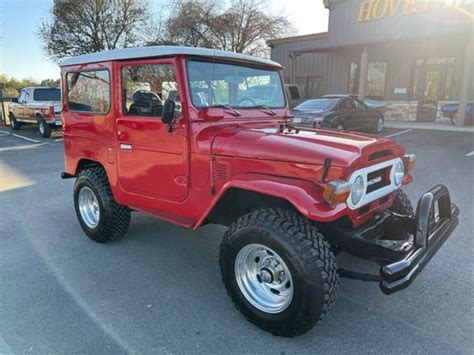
[[370, 10]]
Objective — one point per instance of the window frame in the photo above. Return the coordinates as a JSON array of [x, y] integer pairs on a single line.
[[110, 91], [157, 61]]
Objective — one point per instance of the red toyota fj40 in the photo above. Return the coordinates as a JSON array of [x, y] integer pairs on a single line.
[[195, 136]]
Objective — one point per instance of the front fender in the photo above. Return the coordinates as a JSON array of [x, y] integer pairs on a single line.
[[305, 196]]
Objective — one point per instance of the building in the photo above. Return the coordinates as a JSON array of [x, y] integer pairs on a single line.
[[414, 54]]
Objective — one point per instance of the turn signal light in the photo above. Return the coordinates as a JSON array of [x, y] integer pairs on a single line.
[[336, 192], [409, 160]]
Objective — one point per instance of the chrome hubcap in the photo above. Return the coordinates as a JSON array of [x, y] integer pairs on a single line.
[[263, 278], [41, 127], [89, 207]]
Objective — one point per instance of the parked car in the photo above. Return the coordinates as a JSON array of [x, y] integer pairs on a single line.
[[451, 111], [343, 112], [292, 198], [37, 105]]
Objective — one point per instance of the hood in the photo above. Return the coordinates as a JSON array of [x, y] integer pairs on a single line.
[[305, 147]]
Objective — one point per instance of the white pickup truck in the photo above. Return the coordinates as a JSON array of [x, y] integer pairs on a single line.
[[37, 105]]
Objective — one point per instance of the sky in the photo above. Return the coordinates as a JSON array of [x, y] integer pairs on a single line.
[[22, 56]]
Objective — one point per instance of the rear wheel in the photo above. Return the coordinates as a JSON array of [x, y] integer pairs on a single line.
[[279, 271], [101, 218], [44, 128], [14, 124]]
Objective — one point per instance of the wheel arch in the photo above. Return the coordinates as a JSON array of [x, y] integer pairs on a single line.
[[242, 195], [85, 163]]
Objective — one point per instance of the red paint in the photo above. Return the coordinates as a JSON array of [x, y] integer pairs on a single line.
[[170, 175]]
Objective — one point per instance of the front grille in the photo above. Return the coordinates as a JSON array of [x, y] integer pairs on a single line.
[[378, 179]]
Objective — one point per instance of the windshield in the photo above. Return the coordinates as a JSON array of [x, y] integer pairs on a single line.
[[319, 104], [52, 94], [237, 86]]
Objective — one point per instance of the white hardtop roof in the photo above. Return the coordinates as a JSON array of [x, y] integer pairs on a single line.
[[162, 51]]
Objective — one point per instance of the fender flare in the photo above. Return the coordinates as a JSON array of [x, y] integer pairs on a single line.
[[305, 196]]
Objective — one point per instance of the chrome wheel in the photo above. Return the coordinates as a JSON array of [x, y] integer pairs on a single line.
[[380, 124], [41, 127], [340, 127], [89, 207], [263, 278]]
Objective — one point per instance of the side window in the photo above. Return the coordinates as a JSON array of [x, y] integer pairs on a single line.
[[21, 98], [88, 91], [347, 105], [359, 105], [145, 88]]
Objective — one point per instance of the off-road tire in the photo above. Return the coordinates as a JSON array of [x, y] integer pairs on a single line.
[[114, 218], [44, 128], [401, 205], [306, 253], [14, 124]]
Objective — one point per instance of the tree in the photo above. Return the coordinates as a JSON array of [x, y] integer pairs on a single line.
[[86, 26], [243, 27]]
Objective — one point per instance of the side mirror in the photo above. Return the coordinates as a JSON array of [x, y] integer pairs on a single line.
[[167, 115]]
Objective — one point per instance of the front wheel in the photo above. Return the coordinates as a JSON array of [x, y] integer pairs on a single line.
[[279, 271], [101, 218]]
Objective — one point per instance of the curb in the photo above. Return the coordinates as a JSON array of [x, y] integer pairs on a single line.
[[428, 126]]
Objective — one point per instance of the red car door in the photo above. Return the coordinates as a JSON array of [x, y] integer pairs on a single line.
[[152, 162]]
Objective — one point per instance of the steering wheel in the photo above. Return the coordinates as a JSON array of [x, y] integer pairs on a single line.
[[252, 101]]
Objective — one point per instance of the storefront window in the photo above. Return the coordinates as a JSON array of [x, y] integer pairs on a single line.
[[376, 80], [375, 86]]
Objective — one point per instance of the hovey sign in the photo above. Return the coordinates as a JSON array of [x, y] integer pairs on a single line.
[[376, 9]]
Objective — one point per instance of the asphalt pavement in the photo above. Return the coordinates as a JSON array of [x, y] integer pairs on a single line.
[[158, 290]]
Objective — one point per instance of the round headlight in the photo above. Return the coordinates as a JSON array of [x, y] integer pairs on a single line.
[[399, 173], [357, 190]]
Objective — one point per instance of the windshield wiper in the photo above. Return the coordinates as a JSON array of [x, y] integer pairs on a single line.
[[230, 108], [265, 107]]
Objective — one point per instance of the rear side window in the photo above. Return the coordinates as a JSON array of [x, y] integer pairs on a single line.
[[146, 87], [47, 95], [88, 91]]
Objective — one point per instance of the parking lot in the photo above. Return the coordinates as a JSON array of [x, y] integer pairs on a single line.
[[158, 290]]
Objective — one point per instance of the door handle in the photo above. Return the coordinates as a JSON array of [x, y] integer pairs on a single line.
[[126, 147]]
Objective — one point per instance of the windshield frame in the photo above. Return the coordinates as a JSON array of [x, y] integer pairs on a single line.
[[240, 64]]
